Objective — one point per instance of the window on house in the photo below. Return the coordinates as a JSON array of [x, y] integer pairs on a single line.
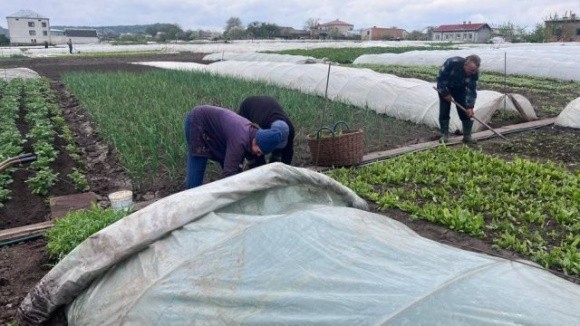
[[470, 36], [30, 24], [33, 41], [45, 33], [458, 36], [577, 31], [43, 24], [32, 33]]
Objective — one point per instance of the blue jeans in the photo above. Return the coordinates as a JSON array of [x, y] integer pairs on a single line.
[[195, 164]]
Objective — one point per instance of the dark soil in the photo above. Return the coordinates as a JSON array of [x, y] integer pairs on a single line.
[[22, 265]]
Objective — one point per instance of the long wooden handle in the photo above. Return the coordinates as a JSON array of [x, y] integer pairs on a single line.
[[476, 118]]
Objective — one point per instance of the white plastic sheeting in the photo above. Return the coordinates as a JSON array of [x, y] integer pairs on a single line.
[[570, 116], [408, 99], [279, 245], [8, 74], [253, 56], [560, 62], [270, 189]]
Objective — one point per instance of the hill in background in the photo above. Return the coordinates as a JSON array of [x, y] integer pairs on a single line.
[[112, 30]]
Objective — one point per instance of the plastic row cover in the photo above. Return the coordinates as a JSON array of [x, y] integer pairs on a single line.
[[280, 245], [408, 99], [560, 62]]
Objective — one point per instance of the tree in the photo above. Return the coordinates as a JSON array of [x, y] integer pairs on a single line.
[[236, 33], [416, 36], [538, 35], [512, 32], [165, 32], [311, 23], [233, 22], [4, 40], [263, 30]]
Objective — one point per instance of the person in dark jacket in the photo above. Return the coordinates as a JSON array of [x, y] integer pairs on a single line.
[[70, 46], [457, 79], [265, 111], [223, 136]]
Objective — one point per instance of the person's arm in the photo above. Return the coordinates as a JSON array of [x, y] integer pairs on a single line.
[[288, 152], [471, 92], [233, 159], [443, 79]]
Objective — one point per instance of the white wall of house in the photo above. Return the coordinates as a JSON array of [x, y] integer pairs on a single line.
[[29, 31], [479, 36], [62, 39]]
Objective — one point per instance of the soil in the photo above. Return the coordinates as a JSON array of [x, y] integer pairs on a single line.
[[23, 264]]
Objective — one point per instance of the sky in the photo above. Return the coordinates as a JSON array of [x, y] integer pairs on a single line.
[[213, 14]]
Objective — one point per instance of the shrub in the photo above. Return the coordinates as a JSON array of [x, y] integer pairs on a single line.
[[69, 231]]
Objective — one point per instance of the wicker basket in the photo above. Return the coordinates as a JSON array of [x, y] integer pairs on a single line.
[[332, 147]]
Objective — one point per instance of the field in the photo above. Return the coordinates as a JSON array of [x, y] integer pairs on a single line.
[[106, 173]]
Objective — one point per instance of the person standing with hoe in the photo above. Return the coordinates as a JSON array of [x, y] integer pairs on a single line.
[[457, 81], [69, 43]]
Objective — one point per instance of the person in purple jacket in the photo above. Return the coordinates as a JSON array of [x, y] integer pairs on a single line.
[[221, 135]]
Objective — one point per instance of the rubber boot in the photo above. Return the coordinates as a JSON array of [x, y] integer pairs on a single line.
[[467, 127], [444, 128]]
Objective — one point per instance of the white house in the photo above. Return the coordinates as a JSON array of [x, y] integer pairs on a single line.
[[27, 27], [335, 28], [77, 36], [466, 32]]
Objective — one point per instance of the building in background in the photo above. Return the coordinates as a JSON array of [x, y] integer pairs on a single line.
[[383, 34], [27, 27], [77, 36], [332, 29], [466, 32], [564, 29]]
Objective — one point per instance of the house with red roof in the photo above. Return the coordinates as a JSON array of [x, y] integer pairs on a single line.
[[383, 34], [335, 28], [466, 32]]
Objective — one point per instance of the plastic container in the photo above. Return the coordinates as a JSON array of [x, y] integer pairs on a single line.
[[121, 200]]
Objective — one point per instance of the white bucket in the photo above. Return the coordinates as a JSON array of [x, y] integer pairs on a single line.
[[121, 200]]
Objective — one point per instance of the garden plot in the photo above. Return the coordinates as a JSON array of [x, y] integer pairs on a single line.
[[407, 99], [554, 61], [22, 274], [300, 235]]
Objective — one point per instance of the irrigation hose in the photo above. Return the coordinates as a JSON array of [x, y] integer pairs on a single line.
[[21, 239]]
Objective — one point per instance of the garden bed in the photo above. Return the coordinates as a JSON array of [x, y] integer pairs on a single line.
[[24, 264]]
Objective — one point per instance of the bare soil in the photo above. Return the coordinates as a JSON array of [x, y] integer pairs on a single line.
[[23, 264]]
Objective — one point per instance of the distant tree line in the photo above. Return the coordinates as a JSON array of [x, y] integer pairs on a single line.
[[235, 30]]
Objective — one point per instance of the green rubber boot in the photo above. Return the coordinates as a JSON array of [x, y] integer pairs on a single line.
[[444, 128], [467, 127]]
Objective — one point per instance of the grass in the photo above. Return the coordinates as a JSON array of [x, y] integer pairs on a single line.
[[347, 55], [68, 232], [152, 145]]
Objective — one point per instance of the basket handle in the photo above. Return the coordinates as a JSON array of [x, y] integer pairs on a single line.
[[323, 128], [339, 123]]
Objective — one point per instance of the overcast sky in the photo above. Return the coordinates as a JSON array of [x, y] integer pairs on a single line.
[[213, 14]]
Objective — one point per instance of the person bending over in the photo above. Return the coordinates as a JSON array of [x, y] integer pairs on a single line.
[[221, 135], [265, 111]]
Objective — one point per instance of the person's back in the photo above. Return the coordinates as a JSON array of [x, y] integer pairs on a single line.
[[263, 111]]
